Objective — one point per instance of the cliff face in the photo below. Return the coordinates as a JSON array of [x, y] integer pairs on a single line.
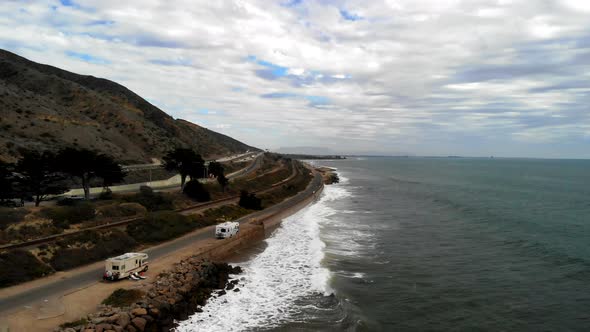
[[44, 107]]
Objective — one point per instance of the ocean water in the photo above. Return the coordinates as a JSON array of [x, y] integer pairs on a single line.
[[424, 244]]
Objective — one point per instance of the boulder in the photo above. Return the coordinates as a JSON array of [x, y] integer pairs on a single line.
[[155, 312], [117, 328], [123, 320], [98, 320], [113, 318], [139, 323], [103, 327], [139, 312], [130, 328]]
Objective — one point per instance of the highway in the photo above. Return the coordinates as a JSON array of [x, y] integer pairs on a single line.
[[173, 182], [186, 211], [64, 286]]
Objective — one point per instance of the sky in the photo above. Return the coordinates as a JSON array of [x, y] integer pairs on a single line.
[[507, 78]]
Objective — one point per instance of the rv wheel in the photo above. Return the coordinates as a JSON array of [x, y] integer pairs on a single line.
[[145, 269]]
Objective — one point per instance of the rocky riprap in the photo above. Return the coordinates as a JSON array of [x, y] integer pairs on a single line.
[[174, 295]]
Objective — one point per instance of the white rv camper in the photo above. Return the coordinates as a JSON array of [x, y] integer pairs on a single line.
[[227, 229], [125, 265]]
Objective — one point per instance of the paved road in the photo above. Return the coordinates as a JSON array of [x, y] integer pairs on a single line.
[[248, 170], [64, 286], [158, 185]]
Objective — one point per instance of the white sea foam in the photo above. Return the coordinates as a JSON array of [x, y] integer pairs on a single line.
[[288, 269], [343, 179]]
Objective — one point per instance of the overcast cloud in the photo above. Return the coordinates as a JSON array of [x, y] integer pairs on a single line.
[[502, 77]]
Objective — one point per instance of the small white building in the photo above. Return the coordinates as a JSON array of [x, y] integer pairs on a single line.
[[124, 265], [227, 229]]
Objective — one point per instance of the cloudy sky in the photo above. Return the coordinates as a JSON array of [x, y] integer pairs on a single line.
[[439, 77]]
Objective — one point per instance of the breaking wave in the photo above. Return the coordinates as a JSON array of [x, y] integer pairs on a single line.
[[274, 282]]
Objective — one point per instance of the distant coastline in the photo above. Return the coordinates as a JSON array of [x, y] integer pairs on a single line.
[[313, 157]]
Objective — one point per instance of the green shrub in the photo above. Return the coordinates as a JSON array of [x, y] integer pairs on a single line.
[[121, 210], [160, 226], [146, 190], [28, 232], [66, 202], [106, 195], [88, 236], [10, 216], [250, 201], [107, 245], [19, 266], [195, 190], [226, 212], [123, 297], [151, 200], [64, 216]]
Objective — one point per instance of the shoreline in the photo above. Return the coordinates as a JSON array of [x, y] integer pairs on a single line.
[[81, 302]]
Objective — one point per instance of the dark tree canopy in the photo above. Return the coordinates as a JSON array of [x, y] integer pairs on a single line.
[[250, 201], [109, 171], [186, 162], [38, 175], [223, 181], [7, 181], [215, 169], [87, 164], [195, 190]]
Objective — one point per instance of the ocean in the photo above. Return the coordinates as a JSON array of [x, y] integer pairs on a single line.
[[423, 244]]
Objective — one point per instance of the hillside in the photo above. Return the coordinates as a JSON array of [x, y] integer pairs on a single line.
[[44, 107]]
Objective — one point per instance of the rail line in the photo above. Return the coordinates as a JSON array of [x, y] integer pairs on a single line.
[[123, 222]]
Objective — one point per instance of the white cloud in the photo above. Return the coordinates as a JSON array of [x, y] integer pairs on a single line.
[[425, 72]]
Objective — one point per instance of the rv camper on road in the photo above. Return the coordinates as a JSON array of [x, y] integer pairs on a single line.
[[227, 229], [125, 265]]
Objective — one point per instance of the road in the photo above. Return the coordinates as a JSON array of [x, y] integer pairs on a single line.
[[83, 279], [186, 211], [173, 182]]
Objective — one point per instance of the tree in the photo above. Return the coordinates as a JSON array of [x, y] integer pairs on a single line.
[[87, 164], [38, 176], [223, 181], [6, 181], [109, 171], [186, 162], [215, 168], [195, 190], [250, 201]]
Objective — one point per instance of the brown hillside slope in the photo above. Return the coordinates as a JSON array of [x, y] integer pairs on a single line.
[[44, 107]]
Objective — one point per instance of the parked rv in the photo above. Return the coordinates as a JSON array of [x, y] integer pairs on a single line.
[[227, 229], [126, 265]]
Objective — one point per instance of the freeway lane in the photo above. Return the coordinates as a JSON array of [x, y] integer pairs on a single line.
[[91, 274], [160, 185]]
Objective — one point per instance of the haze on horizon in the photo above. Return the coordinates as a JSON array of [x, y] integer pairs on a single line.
[[476, 78]]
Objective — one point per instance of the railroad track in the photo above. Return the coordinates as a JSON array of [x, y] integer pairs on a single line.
[[124, 222]]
